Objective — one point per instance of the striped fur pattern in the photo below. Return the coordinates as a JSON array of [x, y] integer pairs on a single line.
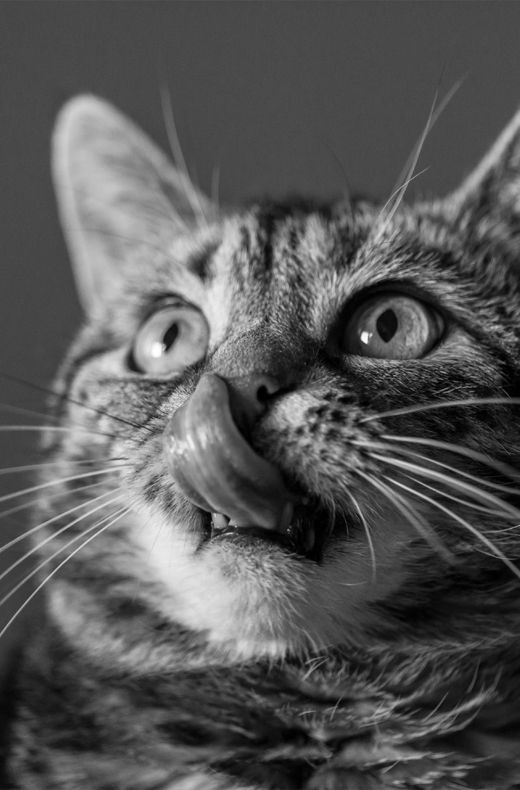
[[169, 662]]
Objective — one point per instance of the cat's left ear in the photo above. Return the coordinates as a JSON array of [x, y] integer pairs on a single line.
[[117, 192], [492, 190]]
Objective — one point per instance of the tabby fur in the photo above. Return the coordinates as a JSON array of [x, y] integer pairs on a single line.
[[164, 662]]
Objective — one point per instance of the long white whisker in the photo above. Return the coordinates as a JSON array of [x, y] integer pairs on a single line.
[[402, 186], [481, 481], [176, 148], [29, 412], [442, 405], [35, 549], [52, 497], [433, 116], [467, 452], [103, 412], [466, 502], [410, 514], [9, 470], [53, 556], [58, 567], [68, 479], [56, 429], [486, 541], [482, 496], [368, 533], [51, 520]]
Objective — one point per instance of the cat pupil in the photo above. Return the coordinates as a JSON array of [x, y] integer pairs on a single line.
[[170, 336], [387, 324]]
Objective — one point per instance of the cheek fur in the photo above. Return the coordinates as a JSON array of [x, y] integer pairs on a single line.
[[319, 439]]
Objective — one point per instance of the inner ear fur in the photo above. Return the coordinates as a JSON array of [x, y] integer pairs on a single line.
[[116, 191]]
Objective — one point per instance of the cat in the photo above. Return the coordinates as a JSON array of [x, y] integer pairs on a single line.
[[280, 509]]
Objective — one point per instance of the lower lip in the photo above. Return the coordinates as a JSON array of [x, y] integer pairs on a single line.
[[268, 536]]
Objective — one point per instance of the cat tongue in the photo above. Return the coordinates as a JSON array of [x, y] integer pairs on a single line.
[[216, 468]]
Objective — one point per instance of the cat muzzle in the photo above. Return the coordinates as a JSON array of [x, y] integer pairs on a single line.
[[216, 468]]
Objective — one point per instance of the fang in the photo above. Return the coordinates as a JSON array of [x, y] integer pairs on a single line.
[[219, 521]]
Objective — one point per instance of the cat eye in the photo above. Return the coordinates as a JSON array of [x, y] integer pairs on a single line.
[[392, 326], [171, 339]]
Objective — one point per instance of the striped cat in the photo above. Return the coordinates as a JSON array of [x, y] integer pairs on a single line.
[[279, 521]]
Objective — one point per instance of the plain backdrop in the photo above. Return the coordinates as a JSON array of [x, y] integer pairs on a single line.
[[280, 97]]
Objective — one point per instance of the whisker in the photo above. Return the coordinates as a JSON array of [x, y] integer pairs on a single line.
[[411, 515], [442, 405], [368, 533], [403, 185], [52, 497], [457, 449], [512, 528], [62, 396], [9, 470], [178, 156], [36, 548], [57, 429], [34, 529], [34, 571], [481, 481], [473, 530], [466, 502], [504, 507], [53, 556], [49, 576], [433, 116], [68, 479], [29, 412], [347, 189]]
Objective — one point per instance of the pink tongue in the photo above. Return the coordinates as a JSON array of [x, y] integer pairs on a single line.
[[215, 467]]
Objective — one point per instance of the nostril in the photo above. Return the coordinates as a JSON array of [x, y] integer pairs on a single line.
[[262, 393], [249, 397], [266, 389]]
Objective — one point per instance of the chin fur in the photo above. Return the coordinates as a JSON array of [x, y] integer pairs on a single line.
[[253, 599]]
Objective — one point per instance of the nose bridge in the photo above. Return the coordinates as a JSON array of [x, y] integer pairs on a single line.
[[260, 350]]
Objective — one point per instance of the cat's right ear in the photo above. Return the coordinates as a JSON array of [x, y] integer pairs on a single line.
[[116, 191], [492, 191]]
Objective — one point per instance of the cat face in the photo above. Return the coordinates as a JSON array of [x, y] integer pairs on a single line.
[[306, 401]]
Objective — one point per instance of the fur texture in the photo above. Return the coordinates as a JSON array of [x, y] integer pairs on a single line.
[[391, 659]]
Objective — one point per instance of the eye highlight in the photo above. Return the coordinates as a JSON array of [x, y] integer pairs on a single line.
[[392, 326], [171, 339]]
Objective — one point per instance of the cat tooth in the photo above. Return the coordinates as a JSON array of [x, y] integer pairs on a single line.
[[219, 520]]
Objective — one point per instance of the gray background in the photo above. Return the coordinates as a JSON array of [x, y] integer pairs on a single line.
[[276, 93]]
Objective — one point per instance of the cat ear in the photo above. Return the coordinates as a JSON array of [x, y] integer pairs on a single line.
[[493, 188], [116, 191]]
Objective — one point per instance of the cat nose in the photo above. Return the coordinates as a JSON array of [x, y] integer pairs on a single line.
[[250, 396], [212, 462]]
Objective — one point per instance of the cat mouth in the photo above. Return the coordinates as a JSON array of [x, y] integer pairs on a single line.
[[301, 533], [241, 494]]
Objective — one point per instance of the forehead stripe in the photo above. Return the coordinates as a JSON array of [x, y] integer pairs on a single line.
[[200, 262]]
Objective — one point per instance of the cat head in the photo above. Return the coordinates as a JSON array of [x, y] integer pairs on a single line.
[[309, 404]]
